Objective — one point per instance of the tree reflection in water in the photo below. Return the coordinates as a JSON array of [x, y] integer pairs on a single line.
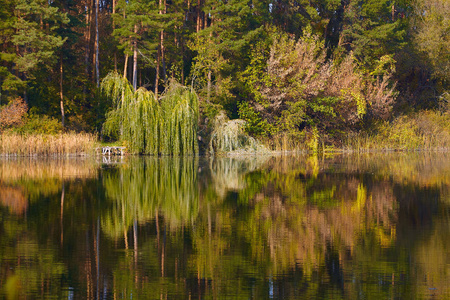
[[284, 227]]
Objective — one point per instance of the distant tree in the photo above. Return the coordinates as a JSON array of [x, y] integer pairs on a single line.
[[431, 26]]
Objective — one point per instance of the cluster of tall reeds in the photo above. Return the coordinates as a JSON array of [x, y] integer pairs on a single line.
[[47, 144], [167, 127]]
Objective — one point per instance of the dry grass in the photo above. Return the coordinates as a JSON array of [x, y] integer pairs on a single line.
[[47, 145]]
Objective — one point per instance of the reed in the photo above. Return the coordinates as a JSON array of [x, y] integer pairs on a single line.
[[63, 144]]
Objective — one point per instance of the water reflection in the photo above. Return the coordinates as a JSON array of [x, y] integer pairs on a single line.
[[286, 227]]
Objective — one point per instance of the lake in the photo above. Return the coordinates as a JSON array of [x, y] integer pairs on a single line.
[[372, 226]]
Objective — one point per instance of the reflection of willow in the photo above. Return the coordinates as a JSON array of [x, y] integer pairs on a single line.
[[228, 173], [144, 189]]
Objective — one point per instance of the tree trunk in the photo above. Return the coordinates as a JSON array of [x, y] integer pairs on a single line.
[[97, 69], [157, 73], [208, 95], [163, 57], [125, 66], [182, 62], [61, 95], [199, 19], [160, 53], [393, 12], [162, 48], [135, 59], [87, 43], [114, 27]]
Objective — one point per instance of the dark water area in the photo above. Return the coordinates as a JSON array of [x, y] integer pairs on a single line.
[[373, 226]]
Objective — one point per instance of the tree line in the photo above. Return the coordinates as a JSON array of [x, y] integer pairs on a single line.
[[281, 65]]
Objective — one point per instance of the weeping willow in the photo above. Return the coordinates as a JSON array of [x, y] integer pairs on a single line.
[[168, 127], [229, 136]]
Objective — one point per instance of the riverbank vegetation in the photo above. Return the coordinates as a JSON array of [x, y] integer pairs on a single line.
[[226, 76], [62, 144]]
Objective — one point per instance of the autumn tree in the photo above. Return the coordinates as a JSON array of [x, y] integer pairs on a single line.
[[294, 86]]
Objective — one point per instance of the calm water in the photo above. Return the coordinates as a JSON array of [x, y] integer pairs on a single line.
[[350, 227]]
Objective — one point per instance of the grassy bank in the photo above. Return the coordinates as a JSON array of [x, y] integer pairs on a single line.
[[425, 130], [63, 144], [419, 131]]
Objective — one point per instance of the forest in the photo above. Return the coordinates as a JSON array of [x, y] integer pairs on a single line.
[[286, 74]]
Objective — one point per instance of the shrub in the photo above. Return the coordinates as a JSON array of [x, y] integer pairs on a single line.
[[13, 114], [37, 124]]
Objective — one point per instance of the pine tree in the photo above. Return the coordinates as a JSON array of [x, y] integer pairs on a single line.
[[11, 84], [35, 35], [372, 29], [135, 22]]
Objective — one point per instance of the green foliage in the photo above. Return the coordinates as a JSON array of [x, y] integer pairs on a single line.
[[254, 123], [179, 120], [36, 43], [11, 84], [149, 127], [432, 38], [371, 29], [210, 111], [39, 124], [134, 20], [297, 64]]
